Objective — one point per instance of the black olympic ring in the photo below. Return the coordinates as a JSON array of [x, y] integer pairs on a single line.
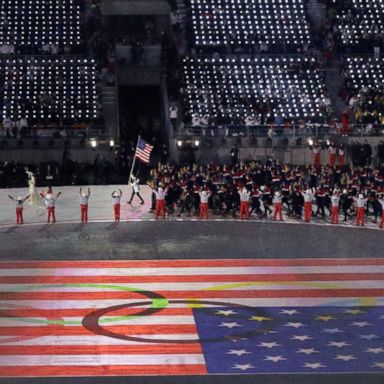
[[91, 321]]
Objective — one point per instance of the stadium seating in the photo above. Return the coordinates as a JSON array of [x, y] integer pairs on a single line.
[[45, 24], [249, 22], [364, 77], [232, 89], [356, 20], [48, 87]]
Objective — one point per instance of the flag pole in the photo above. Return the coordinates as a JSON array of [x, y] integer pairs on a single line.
[[134, 160]]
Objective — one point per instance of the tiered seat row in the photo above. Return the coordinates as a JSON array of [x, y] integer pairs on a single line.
[[364, 88], [228, 89], [44, 23], [356, 20], [249, 22], [48, 88]]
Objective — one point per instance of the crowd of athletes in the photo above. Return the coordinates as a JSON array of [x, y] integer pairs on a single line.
[[184, 186]]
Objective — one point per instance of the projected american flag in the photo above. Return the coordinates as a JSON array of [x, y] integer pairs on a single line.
[[193, 317]]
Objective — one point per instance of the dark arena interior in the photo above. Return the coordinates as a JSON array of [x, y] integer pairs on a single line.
[[192, 191]]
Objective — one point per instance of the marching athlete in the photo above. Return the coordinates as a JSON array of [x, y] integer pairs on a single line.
[[244, 202], [335, 203], [204, 197], [278, 206], [116, 199], [135, 190]]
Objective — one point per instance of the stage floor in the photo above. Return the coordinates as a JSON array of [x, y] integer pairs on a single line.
[[184, 300]]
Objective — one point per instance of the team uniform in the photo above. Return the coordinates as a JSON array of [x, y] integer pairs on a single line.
[[331, 156], [335, 203], [116, 200], [160, 203], [19, 208], [84, 207], [360, 209], [244, 203], [381, 201], [308, 198], [341, 157], [316, 156], [204, 197], [278, 206], [135, 191], [50, 204]]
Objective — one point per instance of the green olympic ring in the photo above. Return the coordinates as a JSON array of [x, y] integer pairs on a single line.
[[156, 303]]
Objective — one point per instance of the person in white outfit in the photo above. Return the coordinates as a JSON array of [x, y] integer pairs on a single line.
[[135, 190]]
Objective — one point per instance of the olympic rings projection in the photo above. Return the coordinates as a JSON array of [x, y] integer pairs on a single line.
[[92, 320]]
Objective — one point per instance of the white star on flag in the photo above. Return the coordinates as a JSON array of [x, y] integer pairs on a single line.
[[269, 345], [374, 350], [226, 313], [313, 365], [307, 351], [338, 344], [345, 357], [332, 330], [361, 324], [301, 337], [295, 325], [238, 352], [289, 312], [353, 311], [243, 367], [275, 359], [368, 337], [229, 325], [378, 365]]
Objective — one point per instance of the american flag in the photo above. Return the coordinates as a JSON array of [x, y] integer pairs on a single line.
[[143, 150], [191, 317]]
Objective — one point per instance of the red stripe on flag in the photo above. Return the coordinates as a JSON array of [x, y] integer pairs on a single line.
[[55, 330], [203, 294], [279, 277], [155, 349], [103, 370], [186, 263]]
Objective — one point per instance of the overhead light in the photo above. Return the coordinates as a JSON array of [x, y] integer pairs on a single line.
[[111, 143], [179, 143], [310, 142], [197, 143], [93, 142]]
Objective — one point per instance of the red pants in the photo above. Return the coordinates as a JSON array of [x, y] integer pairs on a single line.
[[116, 210], [84, 213], [335, 215], [360, 213], [307, 211], [160, 209], [19, 216], [382, 220], [244, 209], [51, 213], [316, 159], [341, 160], [332, 160], [278, 211], [204, 210]]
